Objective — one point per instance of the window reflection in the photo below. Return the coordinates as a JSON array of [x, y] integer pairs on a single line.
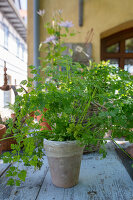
[[129, 65], [114, 62], [113, 48], [129, 45]]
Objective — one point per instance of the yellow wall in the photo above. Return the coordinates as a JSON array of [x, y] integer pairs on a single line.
[[104, 16], [30, 33]]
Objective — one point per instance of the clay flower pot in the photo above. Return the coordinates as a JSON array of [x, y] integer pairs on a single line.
[[44, 124], [32, 114], [6, 144], [2, 132], [0, 148], [13, 115], [64, 160]]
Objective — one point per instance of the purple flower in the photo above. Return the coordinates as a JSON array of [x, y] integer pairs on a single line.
[[66, 24], [51, 39]]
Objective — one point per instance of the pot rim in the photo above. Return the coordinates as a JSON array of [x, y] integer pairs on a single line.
[[2, 126], [63, 142], [62, 149]]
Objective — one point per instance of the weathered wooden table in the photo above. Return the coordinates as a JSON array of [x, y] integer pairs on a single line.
[[100, 179]]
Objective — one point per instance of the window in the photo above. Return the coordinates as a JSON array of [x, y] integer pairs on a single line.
[[1, 34], [18, 44], [113, 48], [23, 49], [20, 51], [118, 48], [6, 33], [129, 45], [12, 46]]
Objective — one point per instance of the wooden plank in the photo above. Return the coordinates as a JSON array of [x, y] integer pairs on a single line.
[[103, 179], [100, 179], [49, 191], [5, 190], [3, 167], [29, 189]]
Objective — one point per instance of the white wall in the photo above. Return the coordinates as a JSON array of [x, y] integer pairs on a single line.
[[16, 63]]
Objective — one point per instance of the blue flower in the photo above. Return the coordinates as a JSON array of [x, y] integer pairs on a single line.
[[66, 24], [52, 39]]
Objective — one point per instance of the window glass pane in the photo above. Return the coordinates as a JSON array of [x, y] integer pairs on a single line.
[[113, 48], [18, 44], [129, 65], [114, 62], [12, 46], [20, 51], [1, 35], [6, 33], [129, 45]]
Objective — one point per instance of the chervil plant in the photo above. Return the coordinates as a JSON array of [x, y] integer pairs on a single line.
[[67, 96], [63, 100], [115, 93]]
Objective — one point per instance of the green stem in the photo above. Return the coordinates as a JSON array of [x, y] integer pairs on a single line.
[[86, 107], [121, 148], [67, 75], [6, 138], [117, 145], [103, 139], [84, 112]]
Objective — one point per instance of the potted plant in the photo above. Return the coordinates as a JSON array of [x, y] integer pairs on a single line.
[[62, 100]]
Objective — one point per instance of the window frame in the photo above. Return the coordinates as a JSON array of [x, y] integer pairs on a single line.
[[6, 35], [120, 38]]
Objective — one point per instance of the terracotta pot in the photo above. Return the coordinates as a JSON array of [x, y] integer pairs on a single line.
[[44, 124], [0, 149], [13, 115], [64, 160], [32, 114], [6, 144], [2, 132]]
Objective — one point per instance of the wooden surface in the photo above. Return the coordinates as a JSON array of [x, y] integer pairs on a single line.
[[100, 179]]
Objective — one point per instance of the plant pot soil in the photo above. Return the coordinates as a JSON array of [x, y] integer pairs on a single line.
[[64, 160]]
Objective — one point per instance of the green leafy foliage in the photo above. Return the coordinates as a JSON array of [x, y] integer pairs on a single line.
[[115, 93], [63, 99]]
